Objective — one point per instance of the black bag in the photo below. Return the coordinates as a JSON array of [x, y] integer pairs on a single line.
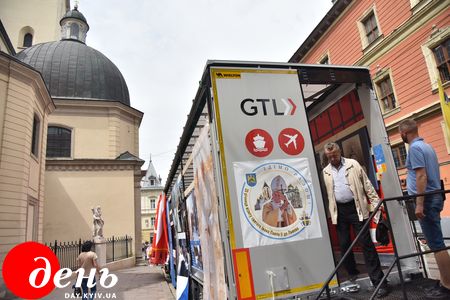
[[76, 291], [382, 232]]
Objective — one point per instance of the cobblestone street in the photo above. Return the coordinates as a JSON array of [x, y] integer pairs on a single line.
[[138, 283]]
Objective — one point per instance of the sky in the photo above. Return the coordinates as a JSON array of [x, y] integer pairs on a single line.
[[161, 48]]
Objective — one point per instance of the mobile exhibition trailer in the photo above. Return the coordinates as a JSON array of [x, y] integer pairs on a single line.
[[247, 211]]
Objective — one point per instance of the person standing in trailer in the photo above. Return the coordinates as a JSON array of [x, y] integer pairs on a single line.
[[348, 188]]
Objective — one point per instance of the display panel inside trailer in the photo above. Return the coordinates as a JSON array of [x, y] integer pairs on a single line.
[[274, 204]]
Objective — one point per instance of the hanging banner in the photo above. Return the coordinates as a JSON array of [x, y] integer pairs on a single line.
[[160, 245], [277, 201], [208, 219]]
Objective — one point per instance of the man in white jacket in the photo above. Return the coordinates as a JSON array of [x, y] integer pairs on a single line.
[[348, 188]]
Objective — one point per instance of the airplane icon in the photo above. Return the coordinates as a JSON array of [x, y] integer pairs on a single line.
[[292, 139]]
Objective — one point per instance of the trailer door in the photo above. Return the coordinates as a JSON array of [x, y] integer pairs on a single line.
[[276, 217]]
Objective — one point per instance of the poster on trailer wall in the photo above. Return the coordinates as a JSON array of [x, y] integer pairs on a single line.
[[277, 202], [270, 179], [268, 157], [196, 250], [208, 218]]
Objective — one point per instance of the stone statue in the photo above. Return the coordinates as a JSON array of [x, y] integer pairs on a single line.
[[98, 222]]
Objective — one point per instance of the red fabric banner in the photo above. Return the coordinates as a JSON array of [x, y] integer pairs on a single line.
[[160, 247]]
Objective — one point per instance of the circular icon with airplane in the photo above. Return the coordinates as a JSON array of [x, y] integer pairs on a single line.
[[291, 141], [259, 142]]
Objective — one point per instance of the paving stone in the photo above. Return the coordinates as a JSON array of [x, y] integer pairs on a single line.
[[137, 283]]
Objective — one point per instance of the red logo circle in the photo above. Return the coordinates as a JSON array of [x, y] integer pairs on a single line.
[[291, 141], [259, 142], [29, 269]]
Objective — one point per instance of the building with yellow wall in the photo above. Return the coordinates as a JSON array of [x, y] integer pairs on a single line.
[[32, 21], [25, 105], [91, 139], [151, 188]]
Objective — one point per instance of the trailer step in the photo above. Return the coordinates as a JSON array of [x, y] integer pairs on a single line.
[[414, 291]]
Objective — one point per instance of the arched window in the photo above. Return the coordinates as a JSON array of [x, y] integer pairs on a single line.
[[74, 31], [28, 40], [59, 142]]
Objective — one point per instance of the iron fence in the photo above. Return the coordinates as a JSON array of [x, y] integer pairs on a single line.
[[117, 248]]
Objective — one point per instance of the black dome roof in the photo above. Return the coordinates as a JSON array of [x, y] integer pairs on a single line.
[[74, 13], [74, 70]]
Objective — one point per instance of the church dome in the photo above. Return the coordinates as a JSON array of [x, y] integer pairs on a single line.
[[73, 70], [75, 14]]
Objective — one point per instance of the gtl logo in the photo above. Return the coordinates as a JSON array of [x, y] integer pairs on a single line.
[[282, 107]]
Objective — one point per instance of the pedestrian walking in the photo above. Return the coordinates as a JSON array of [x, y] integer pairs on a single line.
[[87, 260]]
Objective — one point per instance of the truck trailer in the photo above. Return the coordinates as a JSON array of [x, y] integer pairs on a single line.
[[253, 141]]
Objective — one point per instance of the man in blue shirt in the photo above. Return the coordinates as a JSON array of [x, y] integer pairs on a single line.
[[423, 176]]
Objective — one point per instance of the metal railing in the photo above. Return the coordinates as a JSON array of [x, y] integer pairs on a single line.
[[67, 252], [118, 248], [397, 259]]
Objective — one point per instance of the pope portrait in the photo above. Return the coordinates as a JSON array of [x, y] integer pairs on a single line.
[[278, 211]]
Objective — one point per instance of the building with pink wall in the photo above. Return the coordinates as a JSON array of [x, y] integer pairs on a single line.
[[406, 45]]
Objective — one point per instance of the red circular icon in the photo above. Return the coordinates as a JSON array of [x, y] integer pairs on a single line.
[[291, 141], [29, 269], [259, 142]]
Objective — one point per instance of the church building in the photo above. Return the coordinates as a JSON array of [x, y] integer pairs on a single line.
[[67, 121]]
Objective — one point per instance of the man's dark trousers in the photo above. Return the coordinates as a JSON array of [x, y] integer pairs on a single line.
[[347, 216]]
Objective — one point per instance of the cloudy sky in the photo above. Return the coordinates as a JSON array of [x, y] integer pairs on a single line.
[[161, 48]]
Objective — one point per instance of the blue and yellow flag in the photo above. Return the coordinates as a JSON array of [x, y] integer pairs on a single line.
[[445, 106]]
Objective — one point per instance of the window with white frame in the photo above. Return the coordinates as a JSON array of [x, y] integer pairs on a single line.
[[436, 52], [387, 97], [442, 57], [152, 221], [325, 60], [369, 28], [26, 35], [385, 91], [399, 154], [152, 203], [417, 5]]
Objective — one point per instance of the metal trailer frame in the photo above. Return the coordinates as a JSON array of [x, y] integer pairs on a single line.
[[335, 79]]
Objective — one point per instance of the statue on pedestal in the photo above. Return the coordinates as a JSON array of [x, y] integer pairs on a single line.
[[98, 222]]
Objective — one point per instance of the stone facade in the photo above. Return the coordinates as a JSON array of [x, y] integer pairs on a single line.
[[25, 105]]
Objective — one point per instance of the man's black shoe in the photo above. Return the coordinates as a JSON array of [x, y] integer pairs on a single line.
[[353, 278], [439, 293], [383, 291], [430, 288]]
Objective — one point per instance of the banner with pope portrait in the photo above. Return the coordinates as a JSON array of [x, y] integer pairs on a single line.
[[276, 201]]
